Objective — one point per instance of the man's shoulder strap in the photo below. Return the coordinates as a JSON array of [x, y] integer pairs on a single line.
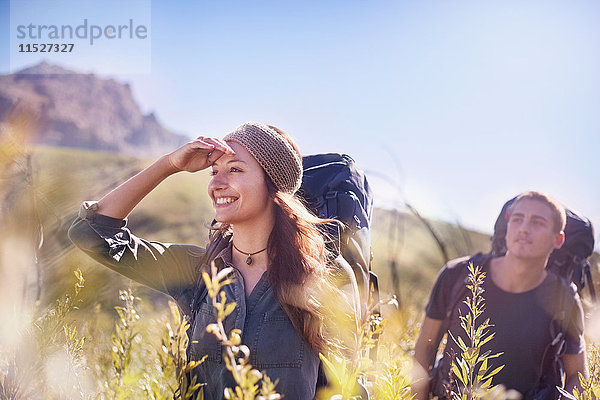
[[566, 292], [555, 349]]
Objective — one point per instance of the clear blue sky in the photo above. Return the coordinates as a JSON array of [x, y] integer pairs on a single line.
[[464, 104]]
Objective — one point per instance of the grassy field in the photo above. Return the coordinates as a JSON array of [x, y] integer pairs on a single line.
[[40, 305]]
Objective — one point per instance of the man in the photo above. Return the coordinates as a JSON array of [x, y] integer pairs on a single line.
[[521, 300]]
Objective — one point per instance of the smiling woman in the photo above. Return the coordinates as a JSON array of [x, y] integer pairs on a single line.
[[273, 244]]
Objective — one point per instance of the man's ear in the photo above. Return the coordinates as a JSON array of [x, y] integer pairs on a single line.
[[559, 240]]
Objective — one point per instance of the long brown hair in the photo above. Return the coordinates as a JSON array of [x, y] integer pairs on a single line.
[[298, 261], [298, 266]]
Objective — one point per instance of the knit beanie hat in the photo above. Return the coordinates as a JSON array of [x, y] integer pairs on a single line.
[[273, 152]]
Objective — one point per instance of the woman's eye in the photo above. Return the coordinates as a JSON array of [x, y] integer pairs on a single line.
[[234, 169], [212, 173]]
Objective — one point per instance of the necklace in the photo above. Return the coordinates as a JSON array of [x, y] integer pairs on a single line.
[[249, 259]]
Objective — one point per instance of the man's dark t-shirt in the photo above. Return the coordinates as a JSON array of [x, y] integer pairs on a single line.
[[521, 321]]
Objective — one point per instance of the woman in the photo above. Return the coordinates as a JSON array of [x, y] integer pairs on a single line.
[[274, 246]]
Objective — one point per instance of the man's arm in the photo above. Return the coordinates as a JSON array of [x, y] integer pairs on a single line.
[[425, 352], [573, 364], [574, 360]]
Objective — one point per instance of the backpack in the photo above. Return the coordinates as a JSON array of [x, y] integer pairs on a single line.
[[334, 187], [571, 260]]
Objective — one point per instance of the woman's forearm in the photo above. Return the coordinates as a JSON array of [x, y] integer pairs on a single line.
[[193, 156], [123, 199]]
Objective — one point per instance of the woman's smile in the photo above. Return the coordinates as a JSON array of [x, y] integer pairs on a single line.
[[224, 201]]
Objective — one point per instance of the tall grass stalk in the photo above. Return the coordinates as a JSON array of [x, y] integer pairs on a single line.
[[392, 384], [125, 333], [370, 370], [236, 355], [346, 372], [173, 356], [472, 368], [590, 387]]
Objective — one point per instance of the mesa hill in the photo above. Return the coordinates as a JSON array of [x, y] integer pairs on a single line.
[[69, 109]]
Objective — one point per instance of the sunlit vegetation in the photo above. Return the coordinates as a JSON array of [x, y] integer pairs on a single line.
[[71, 329]]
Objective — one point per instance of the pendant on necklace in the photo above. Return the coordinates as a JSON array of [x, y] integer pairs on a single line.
[[249, 260]]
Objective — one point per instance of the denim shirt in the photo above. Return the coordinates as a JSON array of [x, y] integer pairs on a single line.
[[275, 346]]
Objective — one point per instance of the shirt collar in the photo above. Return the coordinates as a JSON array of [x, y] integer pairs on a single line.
[[224, 257]]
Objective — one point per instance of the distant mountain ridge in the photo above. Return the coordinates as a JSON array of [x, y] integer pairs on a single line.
[[83, 111]]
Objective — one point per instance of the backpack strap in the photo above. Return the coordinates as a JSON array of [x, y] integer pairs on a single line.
[[551, 364], [559, 321], [588, 279]]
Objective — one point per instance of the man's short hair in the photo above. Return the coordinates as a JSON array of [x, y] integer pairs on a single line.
[[559, 217]]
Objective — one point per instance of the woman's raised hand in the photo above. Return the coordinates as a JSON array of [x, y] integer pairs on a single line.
[[198, 154], [192, 156]]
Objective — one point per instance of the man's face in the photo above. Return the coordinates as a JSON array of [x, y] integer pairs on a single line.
[[530, 232]]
